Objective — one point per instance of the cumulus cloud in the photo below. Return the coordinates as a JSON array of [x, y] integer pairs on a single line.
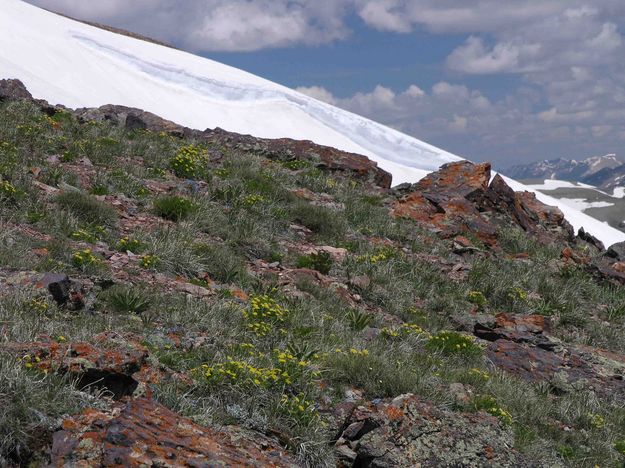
[[319, 93], [218, 25]]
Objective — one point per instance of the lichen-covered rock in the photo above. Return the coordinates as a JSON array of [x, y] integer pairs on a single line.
[[521, 346], [143, 433], [408, 432]]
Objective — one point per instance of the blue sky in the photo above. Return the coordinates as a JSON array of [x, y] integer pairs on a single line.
[[509, 81]]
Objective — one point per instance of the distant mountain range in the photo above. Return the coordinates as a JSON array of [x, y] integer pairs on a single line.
[[605, 172], [564, 169]]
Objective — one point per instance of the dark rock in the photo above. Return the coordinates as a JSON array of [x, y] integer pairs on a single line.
[[11, 90], [145, 433], [520, 345], [58, 285], [130, 118], [286, 149], [592, 240], [617, 251], [64, 292]]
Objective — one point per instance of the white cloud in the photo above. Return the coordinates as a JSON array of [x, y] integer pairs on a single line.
[[319, 93], [218, 25], [414, 91]]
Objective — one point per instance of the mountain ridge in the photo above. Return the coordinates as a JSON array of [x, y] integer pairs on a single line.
[[564, 169]]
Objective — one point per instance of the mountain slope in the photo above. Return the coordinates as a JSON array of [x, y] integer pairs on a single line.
[[141, 324], [68, 62]]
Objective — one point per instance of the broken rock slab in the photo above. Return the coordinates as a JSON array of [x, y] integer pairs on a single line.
[[142, 433]]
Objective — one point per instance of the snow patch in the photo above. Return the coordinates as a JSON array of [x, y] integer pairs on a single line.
[[619, 192], [553, 184]]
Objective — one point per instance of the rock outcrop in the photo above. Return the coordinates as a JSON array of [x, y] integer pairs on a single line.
[[459, 198], [521, 346], [108, 363], [408, 432]]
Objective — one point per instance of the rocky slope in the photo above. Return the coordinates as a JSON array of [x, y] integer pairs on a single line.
[[174, 297]]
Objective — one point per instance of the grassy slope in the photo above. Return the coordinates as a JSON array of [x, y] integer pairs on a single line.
[[240, 210]]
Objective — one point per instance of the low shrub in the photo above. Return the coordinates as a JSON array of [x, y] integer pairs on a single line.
[[190, 162], [173, 207], [319, 219], [358, 320], [86, 208], [322, 262], [127, 300]]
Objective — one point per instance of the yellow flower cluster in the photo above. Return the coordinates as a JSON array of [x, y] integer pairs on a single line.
[[479, 373], [477, 298], [243, 373], [279, 367], [453, 342], [404, 330], [296, 367], [222, 173], [500, 413], [517, 293], [263, 313], [189, 162], [383, 254], [6, 147], [251, 200], [26, 130], [299, 408], [596, 420], [83, 235], [148, 261], [352, 352], [30, 361], [84, 258], [7, 189], [39, 304], [489, 404], [126, 243]]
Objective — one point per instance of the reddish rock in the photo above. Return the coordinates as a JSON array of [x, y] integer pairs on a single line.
[[145, 433], [414, 206], [110, 363], [458, 179], [619, 266], [458, 199]]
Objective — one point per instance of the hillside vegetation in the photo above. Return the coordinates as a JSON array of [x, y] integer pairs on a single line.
[[182, 298]]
